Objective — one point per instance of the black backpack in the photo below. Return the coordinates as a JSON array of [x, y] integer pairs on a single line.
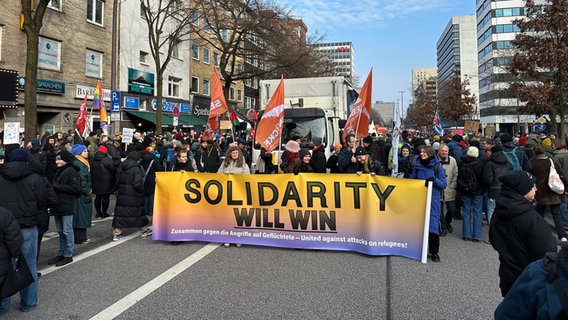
[[467, 180]]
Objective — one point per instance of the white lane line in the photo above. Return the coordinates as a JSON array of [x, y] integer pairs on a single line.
[[90, 253], [137, 295]]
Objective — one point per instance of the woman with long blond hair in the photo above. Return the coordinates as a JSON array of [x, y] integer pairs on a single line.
[[234, 162]]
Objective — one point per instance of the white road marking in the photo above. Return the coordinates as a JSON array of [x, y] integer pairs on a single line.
[[89, 253], [137, 295]]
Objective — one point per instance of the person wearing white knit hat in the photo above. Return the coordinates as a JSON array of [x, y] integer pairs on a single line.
[[469, 186]]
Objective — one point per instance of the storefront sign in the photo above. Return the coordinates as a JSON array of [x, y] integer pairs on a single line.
[[48, 54], [168, 106], [131, 103], [45, 86], [80, 92], [93, 64]]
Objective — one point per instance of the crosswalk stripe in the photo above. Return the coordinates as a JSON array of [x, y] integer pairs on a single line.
[[137, 295]]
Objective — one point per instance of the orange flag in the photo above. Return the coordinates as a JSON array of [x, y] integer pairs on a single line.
[[269, 127], [210, 129], [218, 103], [358, 122]]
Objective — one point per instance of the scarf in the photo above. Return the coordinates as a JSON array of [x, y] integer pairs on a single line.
[[83, 161]]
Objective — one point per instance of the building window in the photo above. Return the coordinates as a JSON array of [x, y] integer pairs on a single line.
[[206, 55], [195, 84], [54, 4], [195, 18], [95, 10], [173, 86], [216, 59], [49, 54], [143, 57], [224, 35], [194, 50], [232, 94], [206, 87], [175, 49], [206, 25], [94, 64], [239, 95]]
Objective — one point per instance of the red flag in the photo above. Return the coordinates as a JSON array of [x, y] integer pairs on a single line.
[[254, 115], [269, 128], [218, 103], [82, 118], [358, 122]]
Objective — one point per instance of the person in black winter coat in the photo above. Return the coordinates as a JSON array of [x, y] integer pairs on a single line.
[[129, 211], [331, 163], [38, 158], [103, 171], [266, 158], [67, 187], [318, 161], [496, 167], [471, 194], [151, 164], [518, 233], [11, 241]]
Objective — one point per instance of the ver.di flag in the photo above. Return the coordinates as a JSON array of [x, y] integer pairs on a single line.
[[210, 129], [218, 103], [358, 122], [438, 127], [98, 103], [269, 128]]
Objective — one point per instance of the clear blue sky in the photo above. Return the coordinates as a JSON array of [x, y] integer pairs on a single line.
[[390, 36]]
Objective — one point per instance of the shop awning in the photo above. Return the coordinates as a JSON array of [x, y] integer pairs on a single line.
[[167, 119]]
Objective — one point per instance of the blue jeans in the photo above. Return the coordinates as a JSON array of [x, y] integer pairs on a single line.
[[564, 210], [64, 225], [490, 209], [472, 205], [149, 204], [28, 295]]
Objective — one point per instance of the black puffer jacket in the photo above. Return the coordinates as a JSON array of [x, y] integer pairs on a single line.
[[23, 192], [318, 161], [129, 211], [519, 234], [496, 167], [11, 241], [67, 187], [103, 172]]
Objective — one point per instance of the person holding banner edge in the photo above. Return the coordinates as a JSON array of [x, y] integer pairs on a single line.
[[428, 168]]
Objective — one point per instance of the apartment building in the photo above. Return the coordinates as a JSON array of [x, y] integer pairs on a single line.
[[74, 53]]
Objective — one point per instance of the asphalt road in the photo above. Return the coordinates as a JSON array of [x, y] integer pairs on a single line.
[[139, 278]]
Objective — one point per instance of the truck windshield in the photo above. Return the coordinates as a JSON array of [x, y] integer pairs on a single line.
[[308, 129], [307, 123]]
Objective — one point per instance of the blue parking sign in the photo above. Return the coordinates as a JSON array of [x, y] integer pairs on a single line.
[[115, 101]]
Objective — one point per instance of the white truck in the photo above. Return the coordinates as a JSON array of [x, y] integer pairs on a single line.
[[314, 109]]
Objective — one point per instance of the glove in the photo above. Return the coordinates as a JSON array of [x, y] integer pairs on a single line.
[[428, 180]]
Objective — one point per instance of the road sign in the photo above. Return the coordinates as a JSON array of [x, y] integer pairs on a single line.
[[115, 101], [175, 111], [175, 122]]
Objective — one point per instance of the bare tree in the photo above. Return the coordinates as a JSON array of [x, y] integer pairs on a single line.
[[423, 110], [33, 22], [456, 101], [167, 22], [256, 31], [539, 64]]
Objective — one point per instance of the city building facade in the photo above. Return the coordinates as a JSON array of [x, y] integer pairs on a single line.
[[342, 57], [457, 55], [495, 30], [74, 53]]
